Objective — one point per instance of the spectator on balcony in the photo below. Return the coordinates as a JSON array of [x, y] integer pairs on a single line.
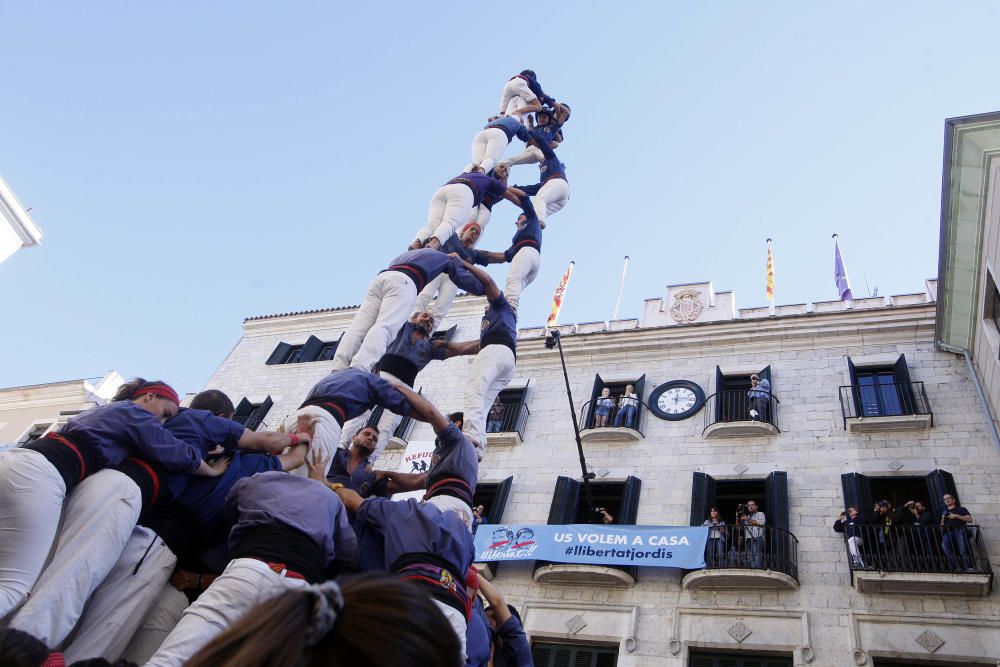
[[914, 513], [605, 516], [715, 551], [602, 409], [954, 518], [849, 523], [754, 520], [628, 406], [759, 396], [494, 422], [477, 517], [884, 518]]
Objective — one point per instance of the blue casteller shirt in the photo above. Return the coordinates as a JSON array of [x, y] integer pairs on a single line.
[[299, 503], [480, 184], [203, 431], [499, 325], [516, 651], [511, 126], [348, 393], [121, 429], [454, 456], [528, 236], [414, 527], [206, 496], [408, 353], [549, 130], [364, 479], [549, 168], [426, 264], [478, 643], [470, 255]]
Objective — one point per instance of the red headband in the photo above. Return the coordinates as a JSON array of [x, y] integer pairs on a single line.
[[54, 659], [161, 390], [472, 224]]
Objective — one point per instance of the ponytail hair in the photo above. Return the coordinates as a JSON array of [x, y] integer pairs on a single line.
[[369, 620], [137, 387]]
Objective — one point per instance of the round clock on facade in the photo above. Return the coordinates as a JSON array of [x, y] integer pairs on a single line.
[[677, 399]]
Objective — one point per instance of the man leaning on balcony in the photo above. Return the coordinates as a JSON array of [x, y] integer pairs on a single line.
[[754, 521], [759, 396], [953, 521]]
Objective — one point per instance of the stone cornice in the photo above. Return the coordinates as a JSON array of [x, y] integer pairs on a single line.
[[809, 331]]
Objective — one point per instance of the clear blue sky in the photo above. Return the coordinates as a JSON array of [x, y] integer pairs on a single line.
[[192, 164]]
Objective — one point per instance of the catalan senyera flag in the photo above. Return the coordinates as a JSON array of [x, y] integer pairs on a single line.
[[770, 272], [557, 299]]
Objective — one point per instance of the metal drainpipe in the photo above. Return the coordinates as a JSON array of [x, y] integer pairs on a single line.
[[983, 401]]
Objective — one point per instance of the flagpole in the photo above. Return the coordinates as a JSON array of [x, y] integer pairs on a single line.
[[621, 285]]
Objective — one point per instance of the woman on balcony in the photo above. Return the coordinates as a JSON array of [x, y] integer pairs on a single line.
[[715, 549], [850, 524], [603, 409]]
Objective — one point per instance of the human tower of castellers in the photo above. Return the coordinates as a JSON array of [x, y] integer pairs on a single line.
[[145, 533]]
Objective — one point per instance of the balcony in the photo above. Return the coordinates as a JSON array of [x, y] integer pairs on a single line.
[[506, 425], [739, 561], [621, 425], [919, 560], [599, 576], [734, 414], [885, 407]]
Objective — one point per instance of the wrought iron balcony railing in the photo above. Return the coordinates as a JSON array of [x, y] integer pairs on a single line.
[[736, 405], [752, 547], [892, 399]]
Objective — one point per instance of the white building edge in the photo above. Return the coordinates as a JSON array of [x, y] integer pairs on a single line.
[[17, 230]]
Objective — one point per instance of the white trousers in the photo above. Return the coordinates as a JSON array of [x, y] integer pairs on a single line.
[[244, 583], [119, 605], [551, 198], [325, 437], [516, 94], [439, 307], [388, 302], [523, 269], [387, 423], [100, 514], [487, 148], [31, 500], [159, 622], [530, 155], [490, 373], [449, 210], [854, 546], [482, 215], [458, 624]]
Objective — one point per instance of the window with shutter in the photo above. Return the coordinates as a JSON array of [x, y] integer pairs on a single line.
[[313, 349], [882, 391], [310, 350], [736, 660], [939, 483], [279, 355], [251, 415], [548, 654], [857, 492], [444, 334]]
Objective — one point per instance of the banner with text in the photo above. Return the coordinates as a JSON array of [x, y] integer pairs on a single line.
[[649, 546]]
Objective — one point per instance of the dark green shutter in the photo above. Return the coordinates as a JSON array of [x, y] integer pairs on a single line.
[[855, 390], [500, 501], [776, 497], [588, 419], [311, 350], [720, 384], [766, 375], [904, 386], [857, 492], [279, 355], [565, 501], [939, 483], [702, 497]]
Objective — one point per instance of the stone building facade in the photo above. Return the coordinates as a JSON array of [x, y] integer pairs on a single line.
[[866, 407]]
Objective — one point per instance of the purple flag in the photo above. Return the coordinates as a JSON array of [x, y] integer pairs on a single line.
[[840, 274]]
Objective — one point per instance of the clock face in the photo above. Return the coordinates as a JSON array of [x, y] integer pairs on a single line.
[[677, 399]]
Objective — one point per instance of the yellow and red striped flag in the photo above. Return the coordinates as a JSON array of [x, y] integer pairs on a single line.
[[557, 299], [770, 273]]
